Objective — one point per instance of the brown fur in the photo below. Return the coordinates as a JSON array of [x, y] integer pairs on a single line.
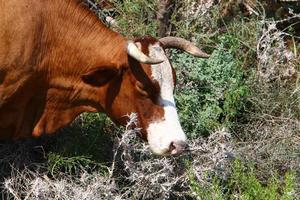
[[57, 60]]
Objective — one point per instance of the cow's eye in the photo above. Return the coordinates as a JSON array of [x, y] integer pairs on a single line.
[[141, 89]]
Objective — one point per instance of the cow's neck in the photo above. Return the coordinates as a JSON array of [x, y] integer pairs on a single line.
[[43, 46], [81, 43], [79, 40]]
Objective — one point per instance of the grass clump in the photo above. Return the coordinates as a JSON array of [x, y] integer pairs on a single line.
[[89, 136], [85, 145], [72, 165]]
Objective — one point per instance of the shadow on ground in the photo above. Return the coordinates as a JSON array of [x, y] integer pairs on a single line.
[[86, 142]]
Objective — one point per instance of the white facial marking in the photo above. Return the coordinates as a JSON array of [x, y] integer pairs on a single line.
[[162, 132]]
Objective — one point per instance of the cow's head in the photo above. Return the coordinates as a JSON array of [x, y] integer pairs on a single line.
[[145, 85]]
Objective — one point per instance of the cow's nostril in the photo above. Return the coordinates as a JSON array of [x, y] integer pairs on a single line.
[[177, 147], [172, 146]]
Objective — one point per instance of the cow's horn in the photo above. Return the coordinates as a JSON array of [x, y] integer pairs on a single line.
[[180, 43], [137, 54]]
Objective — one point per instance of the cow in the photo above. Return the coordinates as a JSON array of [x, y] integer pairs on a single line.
[[57, 60]]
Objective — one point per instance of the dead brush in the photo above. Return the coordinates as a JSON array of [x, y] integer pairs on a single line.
[[275, 59], [134, 174], [271, 143], [152, 177]]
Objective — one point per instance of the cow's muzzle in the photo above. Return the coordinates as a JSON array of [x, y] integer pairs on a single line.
[[178, 147]]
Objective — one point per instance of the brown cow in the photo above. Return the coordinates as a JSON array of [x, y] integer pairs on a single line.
[[58, 60]]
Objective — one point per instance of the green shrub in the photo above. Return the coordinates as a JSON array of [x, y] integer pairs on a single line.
[[212, 192], [243, 184], [211, 92]]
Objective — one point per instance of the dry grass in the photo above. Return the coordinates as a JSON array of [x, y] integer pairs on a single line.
[[134, 173], [137, 174]]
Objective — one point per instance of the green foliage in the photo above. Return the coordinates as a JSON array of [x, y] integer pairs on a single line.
[[243, 184], [211, 92], [290, 184], [212, 192], [137, 17]]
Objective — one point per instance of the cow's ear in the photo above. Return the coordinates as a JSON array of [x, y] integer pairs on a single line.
[[100, 76]]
